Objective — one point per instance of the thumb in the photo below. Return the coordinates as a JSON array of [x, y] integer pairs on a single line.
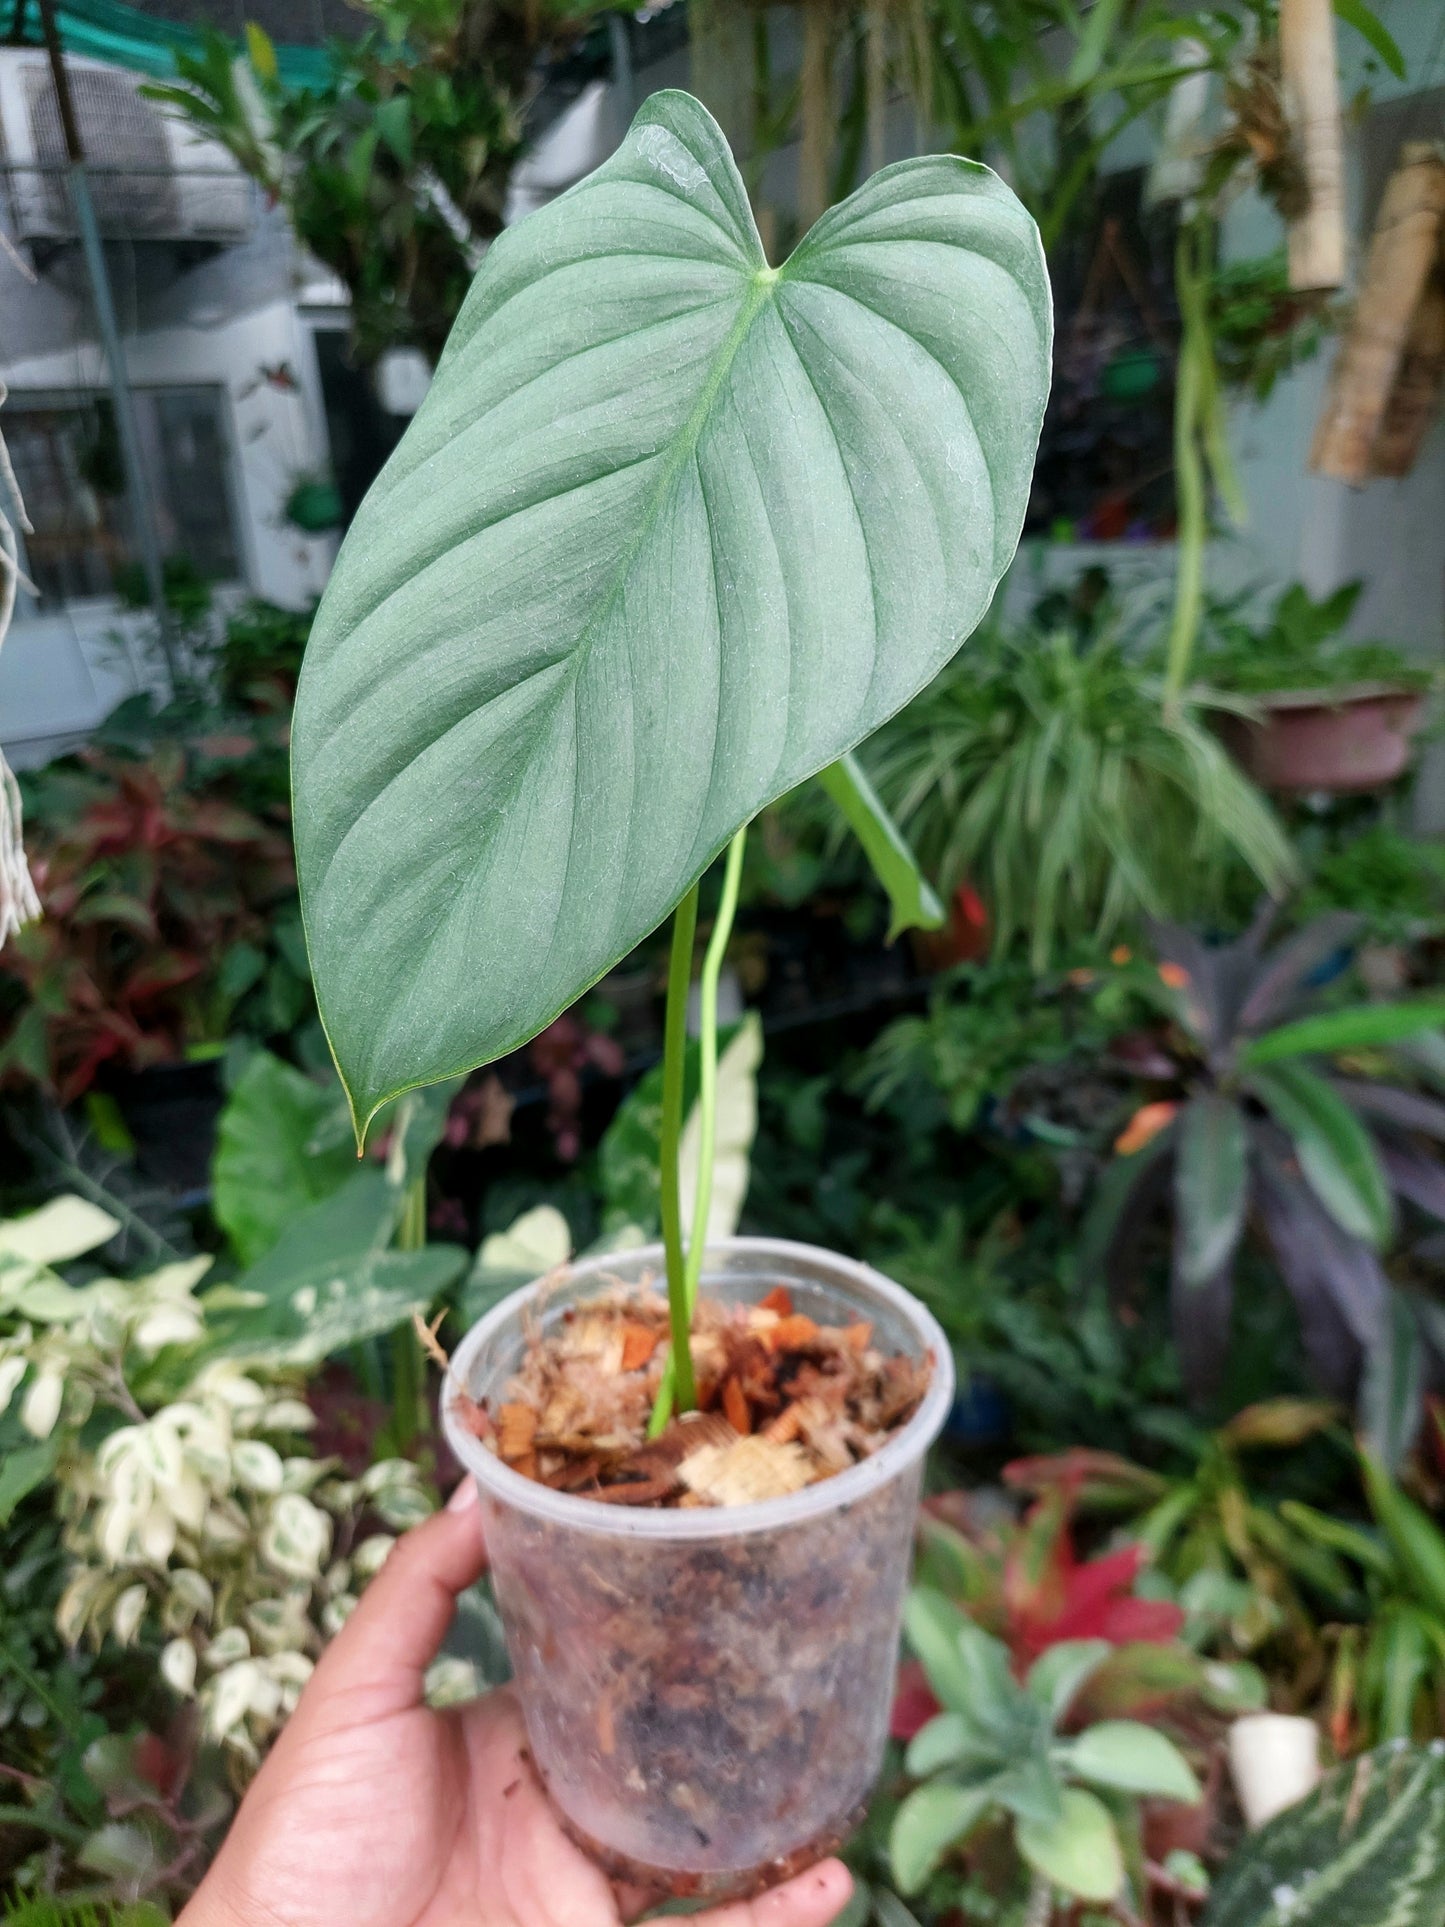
[[377, 1663], [810, 1899]]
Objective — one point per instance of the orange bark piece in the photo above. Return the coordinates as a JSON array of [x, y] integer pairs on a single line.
[[735, 1408], [638, 1345], [859, 1336], [784, 1428], [516, 1429], [606, 1726], [790, 1333], [780, 1300]]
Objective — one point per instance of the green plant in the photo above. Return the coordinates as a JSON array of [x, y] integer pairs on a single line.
[[1218, 1533], [1367, 1846], [1396, 883], [998, 1746], [988, 1025], [394, 169], [169, 894], [1262, 328], [195, 1523], [1387, 1681], [1058, 782], [811, 596], [1264, 1124], [1300, 645]]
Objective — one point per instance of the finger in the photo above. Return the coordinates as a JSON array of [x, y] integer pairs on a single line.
[[385, 1647], [810, 1899]]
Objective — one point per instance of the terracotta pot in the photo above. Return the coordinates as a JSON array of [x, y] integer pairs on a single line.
[[1340, 740]]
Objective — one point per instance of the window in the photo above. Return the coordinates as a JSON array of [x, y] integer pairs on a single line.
[[67, 462]]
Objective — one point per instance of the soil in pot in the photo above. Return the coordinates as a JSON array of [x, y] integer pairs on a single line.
[[704, 1627]]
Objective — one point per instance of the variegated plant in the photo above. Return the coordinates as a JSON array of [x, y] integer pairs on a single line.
[[199, 1523]]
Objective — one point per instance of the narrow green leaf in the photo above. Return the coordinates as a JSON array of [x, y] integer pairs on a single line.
[[1211, 1183], [1134, 1759], [1368, 24], [1360, 1027], [1392, 1393], [1057, 1674], [1080, 1852], [1339, 1536], [261, 51], [672, 532], [912, 902], [930, 1821], [1336, 1152]]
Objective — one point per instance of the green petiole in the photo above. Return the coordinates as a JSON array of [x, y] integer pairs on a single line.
[[685, 1274]]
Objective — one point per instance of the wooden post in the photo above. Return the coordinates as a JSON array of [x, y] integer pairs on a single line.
[[1415, 398], [876, 68], [816, 114], [1312, 104], [1398, 272]]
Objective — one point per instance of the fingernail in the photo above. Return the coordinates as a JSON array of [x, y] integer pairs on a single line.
[[465, 1496]]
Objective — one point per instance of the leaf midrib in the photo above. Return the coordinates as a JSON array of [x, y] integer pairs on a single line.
[[683, 447]]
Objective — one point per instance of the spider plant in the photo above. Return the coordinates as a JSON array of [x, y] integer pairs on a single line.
[[1056, 779]]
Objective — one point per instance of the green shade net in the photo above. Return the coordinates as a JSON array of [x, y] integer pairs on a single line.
[[106, 30]]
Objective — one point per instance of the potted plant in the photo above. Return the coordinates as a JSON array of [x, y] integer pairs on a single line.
[[1283, 1116], [672, 532], [1328, 714]]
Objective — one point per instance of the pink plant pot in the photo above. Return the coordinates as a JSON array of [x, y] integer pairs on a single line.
[[1358, 738]]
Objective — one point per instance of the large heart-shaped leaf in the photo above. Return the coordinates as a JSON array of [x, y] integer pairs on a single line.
[[672, 531]]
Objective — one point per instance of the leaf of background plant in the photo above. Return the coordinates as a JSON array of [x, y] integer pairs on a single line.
[[890, 1911], [65, 1228], [1133, 1758], [1368, 24], [22, 1469], [1080, 1852], [1211, 1183], [1056, 1675], [628, 1157], [671, 532], [930, 1821], [936, 1629], [1392, 1392], [1361, 1027], [1336, 1152], [912, 902], [531, 1246], [266, 1168]]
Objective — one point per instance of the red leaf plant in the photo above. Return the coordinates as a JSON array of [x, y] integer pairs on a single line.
[[1027, 1586]]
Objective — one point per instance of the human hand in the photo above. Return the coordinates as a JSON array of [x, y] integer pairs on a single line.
[[372, 1810]]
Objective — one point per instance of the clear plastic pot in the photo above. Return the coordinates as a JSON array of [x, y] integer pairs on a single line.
[[707, 1691]]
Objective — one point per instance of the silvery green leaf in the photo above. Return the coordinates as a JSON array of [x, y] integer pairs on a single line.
[[257, 1465], [672, 531]]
